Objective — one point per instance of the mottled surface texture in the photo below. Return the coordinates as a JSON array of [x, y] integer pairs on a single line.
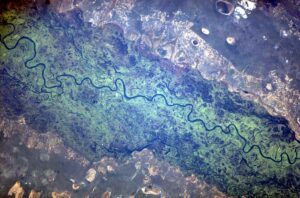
[[109, 93]]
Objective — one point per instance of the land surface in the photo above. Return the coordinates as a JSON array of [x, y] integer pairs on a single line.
[[107, 94]]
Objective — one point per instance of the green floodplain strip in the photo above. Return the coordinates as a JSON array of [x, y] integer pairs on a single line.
[[107, 96]]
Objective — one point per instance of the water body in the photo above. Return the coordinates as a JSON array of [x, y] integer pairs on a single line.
[[107, 96]]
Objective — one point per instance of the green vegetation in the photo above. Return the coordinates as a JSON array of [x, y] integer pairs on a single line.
[[107, 96]]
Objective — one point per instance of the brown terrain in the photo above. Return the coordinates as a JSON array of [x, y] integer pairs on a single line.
[[261, 64], [40, 165]]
